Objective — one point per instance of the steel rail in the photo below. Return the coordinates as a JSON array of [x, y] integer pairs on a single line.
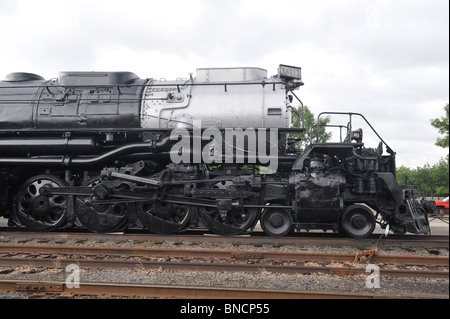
[[302, 239], [433, 261], [47, 261], [114, 290], [215, 266]]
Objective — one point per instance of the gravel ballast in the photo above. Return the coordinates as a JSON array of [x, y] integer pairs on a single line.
[[262, 279]]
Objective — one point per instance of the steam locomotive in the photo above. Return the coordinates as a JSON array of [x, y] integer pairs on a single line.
[[106, 151]]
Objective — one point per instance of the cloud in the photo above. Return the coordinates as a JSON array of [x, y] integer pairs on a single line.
[[385, 59]]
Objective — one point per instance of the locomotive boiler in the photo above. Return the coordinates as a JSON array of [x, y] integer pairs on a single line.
[[108, 151]]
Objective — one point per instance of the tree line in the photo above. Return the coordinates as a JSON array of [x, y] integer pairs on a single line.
[[432, 180]]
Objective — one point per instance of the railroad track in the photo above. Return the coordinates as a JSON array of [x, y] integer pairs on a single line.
[[40, 251], [107, 290], [407, 241], [221, 260]]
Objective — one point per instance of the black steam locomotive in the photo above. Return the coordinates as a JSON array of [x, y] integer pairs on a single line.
[[108, 151]]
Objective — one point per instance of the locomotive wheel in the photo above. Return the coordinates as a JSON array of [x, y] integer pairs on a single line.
[[39, 212], [100, 218], [358, 221], [237, 221], [164, 218], [276, 221]]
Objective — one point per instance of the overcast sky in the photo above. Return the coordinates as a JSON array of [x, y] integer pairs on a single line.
[[386, 59]]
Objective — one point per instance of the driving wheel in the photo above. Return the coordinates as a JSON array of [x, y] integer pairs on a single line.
[[42, 212], [98, 217], [164, 218]]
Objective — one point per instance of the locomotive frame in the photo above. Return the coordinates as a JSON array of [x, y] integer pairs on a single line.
[[96, 150]]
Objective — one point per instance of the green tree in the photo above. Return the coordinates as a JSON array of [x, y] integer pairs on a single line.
[[441, 170], [424, 178], [404, 175], [443, 127], [310, 126], [440, 175], [431, 180]]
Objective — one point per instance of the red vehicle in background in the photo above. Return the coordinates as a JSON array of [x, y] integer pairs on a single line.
[[442, 206]]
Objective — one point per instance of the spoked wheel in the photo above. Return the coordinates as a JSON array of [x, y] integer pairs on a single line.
[[164, 218], [276, 221], [358, 221], [100, 218], [40, 212], [235, 221]]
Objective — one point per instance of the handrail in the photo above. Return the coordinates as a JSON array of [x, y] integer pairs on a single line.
[[349, 126]]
